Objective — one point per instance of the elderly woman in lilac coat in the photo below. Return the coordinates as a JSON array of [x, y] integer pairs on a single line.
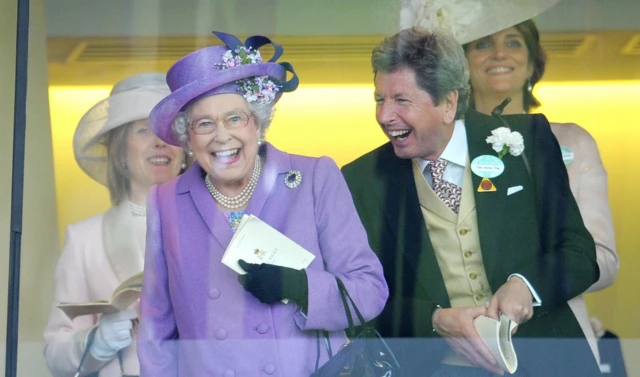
[[197, 316]]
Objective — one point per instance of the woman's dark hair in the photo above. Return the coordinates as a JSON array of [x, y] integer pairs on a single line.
[[537, 58]]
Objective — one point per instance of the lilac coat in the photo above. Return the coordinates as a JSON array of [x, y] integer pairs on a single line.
[[190, 296]]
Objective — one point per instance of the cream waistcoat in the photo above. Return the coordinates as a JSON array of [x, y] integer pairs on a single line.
[[456, 243]]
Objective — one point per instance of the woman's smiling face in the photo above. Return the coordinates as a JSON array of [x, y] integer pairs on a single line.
[[499, 64], [150, 161], [228, 155]]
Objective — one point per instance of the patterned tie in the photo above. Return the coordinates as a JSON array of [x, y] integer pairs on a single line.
[[448, 192]]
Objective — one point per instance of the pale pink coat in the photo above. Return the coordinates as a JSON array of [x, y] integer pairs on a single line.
[[99, 253], [588, 180]]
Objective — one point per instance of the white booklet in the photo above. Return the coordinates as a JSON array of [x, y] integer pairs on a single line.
[[257, 242], [497, 336], [123, 296]]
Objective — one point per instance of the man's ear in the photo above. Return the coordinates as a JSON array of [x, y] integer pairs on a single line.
[[450, 104]]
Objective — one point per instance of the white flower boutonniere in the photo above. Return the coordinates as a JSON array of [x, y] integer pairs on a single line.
[[504, 140]]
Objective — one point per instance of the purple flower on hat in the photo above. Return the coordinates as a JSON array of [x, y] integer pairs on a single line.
[[257, 89]]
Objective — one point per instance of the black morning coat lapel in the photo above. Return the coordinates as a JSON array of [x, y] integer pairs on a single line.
[[402, 210], [490, 206]]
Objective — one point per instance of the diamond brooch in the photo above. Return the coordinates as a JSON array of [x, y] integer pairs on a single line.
[[293, 179]]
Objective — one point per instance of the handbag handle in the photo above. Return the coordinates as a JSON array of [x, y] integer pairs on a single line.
[[90, 337], [344, 294]]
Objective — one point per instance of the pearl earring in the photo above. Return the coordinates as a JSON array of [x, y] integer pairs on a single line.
[[529, 86]]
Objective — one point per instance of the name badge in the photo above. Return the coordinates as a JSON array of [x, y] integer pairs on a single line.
[[487, 166], [567, 154]]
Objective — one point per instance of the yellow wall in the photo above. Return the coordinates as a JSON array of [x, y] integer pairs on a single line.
[[78, 195], [339, 122]]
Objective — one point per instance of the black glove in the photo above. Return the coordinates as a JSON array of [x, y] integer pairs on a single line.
[[270, 283]]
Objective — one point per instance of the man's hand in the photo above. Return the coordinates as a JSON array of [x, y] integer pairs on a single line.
[[455, 325], [514, 300]]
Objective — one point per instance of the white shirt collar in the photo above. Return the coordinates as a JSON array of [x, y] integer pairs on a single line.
[[456, 150]]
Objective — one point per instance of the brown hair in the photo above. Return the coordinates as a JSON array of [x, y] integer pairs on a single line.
[[118, 177], [537, 58]]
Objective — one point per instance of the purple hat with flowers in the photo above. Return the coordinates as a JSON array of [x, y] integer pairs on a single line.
[[234, 67]]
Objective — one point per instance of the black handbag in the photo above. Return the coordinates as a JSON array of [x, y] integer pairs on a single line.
[[365, 354]]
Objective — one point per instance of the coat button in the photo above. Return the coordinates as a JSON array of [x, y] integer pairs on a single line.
[[472, 276], [467, 254], [214, 293], [269, 368], [262, 328], [221, 334], [463, 231], [229, 373]]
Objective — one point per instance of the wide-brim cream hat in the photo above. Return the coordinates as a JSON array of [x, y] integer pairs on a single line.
[[131, 99], [469, 20]]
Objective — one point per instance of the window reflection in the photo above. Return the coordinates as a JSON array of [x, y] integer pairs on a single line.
[[592, 79]]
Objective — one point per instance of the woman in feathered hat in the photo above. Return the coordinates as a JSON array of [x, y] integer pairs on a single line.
[[113, 145], [197, 317], [506, 59]]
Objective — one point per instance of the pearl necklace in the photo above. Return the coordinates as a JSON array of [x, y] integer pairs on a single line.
[[241, 199], [137, 210]]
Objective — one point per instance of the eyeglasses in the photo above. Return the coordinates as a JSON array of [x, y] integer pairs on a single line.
[[231, 121]]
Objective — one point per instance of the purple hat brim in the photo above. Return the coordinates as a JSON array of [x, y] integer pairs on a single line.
[[164, 113]]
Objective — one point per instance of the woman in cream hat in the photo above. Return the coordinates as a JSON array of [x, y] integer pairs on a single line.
[[506, 59], [196, 317], [113, 145]]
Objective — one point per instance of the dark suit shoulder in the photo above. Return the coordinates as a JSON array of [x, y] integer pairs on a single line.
[[368, 159], [374, 165]]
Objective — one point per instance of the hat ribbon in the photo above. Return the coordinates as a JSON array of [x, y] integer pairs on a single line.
[[255, 42]]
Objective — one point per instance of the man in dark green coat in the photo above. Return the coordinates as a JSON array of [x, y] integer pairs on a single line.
[[534, 251]]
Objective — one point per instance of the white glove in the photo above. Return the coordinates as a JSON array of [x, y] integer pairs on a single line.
[[113, 334]]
